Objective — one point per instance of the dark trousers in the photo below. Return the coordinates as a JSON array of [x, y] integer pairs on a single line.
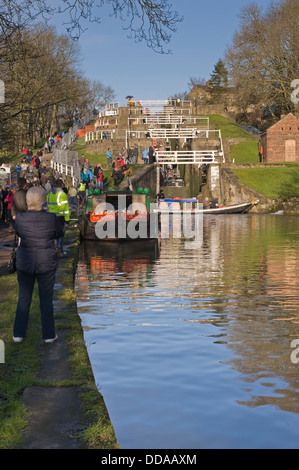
[[46, 289]]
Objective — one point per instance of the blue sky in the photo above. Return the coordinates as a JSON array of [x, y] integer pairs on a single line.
[[133, 69]]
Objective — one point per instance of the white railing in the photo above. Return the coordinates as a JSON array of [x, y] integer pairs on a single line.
[[159, 111], [159, 119], [106, 123], [159, 103], [113, 105], [99, 135], [67, 170], [173, 133], [137, 134], [165, 118], [111, 112], [196, 157], [153, 103]]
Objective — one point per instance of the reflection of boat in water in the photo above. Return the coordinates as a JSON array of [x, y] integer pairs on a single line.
[[181, 206], [123, 257], [117, 216]]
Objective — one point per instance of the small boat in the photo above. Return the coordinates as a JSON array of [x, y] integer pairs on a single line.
[[117, 216], [181, 206]]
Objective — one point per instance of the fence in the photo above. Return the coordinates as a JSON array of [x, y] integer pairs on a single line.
[[173, 133], [181, 157], [65, 161]]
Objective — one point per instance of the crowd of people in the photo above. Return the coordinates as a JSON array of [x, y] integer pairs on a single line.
[[37, 209], [120, 166], [31, 173]]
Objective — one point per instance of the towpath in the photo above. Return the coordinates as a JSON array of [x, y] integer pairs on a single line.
[[55, 419]]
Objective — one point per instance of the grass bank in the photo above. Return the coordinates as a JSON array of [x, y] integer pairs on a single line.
[[245, 152], [23, 362], [228, 128], [279, 182]]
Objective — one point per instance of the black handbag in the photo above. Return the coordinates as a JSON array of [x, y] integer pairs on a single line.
[[11, 266]]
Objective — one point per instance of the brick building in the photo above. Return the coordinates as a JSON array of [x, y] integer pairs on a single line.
[[280, 143]]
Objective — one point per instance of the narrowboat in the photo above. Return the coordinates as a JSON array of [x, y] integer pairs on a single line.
[[118, 216]]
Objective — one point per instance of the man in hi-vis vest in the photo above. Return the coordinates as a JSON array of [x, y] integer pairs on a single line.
[[58, 204]]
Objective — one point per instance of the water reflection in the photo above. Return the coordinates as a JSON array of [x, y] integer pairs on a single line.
[[102, 261], [196, 343]]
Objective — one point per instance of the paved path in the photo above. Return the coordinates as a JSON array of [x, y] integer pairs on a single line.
[[55, 418]]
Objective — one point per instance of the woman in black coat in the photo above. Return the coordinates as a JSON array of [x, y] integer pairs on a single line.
[[36, 260]]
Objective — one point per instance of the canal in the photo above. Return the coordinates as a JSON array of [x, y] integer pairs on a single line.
[[195, 348]]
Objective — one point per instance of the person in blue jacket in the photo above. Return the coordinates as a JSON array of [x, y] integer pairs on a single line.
[[87, 175], [18, 170], [36, 261]]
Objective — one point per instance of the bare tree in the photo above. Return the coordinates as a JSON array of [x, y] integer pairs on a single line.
[[152, 21], [99, 94], [263, 58], [193, 81], [44, 86]]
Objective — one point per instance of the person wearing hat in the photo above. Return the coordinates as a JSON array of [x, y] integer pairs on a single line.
[[58, 204], [36, 260]]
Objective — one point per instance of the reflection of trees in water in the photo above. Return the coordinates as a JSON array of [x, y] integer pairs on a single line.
[[248, 286], [242, 280]]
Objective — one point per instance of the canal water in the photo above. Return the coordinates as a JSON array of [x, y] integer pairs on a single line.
[[195, 348]]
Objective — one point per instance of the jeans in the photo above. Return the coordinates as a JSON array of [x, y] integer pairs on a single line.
[[73, 201], [61, 239], [46, 290]]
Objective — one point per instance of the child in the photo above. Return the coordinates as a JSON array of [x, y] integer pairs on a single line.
[[101, 180]]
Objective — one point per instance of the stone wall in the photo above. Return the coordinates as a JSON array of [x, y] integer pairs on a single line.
[[146, 177], [100, 147], [233, 192]]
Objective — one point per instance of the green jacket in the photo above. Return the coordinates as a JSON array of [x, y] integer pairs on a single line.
[[58, 204]]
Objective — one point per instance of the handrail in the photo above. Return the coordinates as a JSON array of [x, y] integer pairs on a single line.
[[181, 157], [173, 133]]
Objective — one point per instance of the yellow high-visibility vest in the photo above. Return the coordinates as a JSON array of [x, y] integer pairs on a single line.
[[58, 204]]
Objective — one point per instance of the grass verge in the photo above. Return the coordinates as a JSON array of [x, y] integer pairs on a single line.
[[281, 182], [228, 128], [245, 152]]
